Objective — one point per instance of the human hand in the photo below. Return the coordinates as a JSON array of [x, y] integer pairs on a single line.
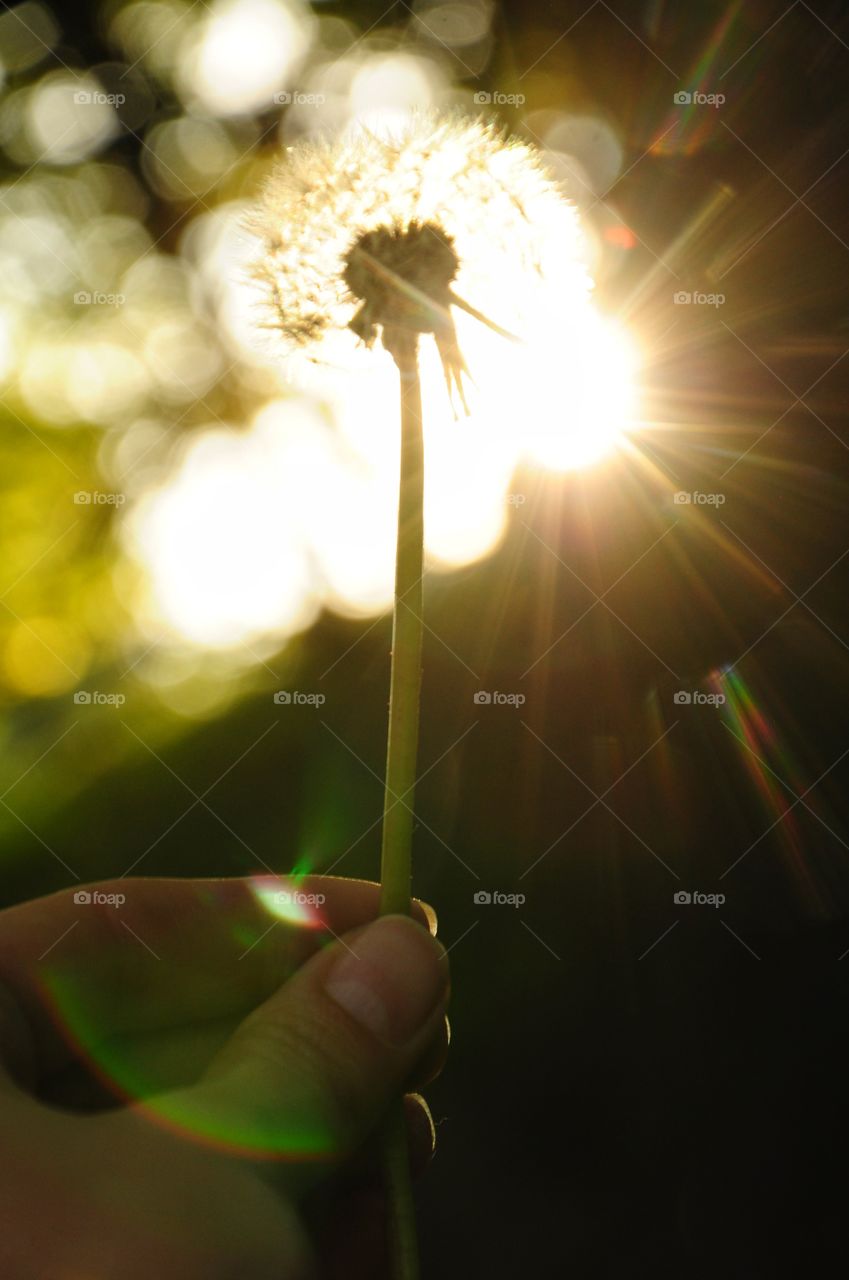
[[188, 1085]]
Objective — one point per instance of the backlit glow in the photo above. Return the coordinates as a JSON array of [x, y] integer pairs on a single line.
[[227, 561], [257, 528], [289, 899], [244, 53]]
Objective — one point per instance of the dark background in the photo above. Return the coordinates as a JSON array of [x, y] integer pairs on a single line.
[[635, 1087]]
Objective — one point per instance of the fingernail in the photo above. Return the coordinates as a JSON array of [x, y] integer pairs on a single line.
[[429, 915], [391, 978]]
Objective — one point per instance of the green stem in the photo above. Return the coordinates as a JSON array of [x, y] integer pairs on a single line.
[[404, 691]]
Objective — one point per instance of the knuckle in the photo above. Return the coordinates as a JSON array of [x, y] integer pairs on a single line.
[[304, 1066]]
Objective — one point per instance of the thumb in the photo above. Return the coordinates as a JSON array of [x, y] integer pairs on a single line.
[[310, 1072]]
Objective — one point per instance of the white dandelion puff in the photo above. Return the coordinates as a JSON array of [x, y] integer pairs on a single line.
[[384, 237]]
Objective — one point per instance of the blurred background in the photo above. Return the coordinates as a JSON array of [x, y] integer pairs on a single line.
[[635, 659]]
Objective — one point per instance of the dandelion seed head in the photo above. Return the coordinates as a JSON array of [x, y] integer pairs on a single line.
[[371, 234], [401, 275]]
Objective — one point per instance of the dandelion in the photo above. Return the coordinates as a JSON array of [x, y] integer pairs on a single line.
[[386, 238]]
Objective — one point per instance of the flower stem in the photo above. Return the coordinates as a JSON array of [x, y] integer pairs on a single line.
[[404, 690]]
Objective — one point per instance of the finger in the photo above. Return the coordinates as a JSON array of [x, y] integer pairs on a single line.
[[135, 1067], [350, 1224], [113, 1196], [421, 1133], [346, 1217], [172, 951], [433, 1059], [171, 1058], [367, 1166], [351, 1237], [310, 1073]]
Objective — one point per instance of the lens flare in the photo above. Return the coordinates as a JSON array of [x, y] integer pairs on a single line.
[[777, 781], [284, 898]]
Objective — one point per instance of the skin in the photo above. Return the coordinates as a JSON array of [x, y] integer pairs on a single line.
[[226, 1022]]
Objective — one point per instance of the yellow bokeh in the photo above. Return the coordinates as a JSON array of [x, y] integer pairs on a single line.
[[44, 656]]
